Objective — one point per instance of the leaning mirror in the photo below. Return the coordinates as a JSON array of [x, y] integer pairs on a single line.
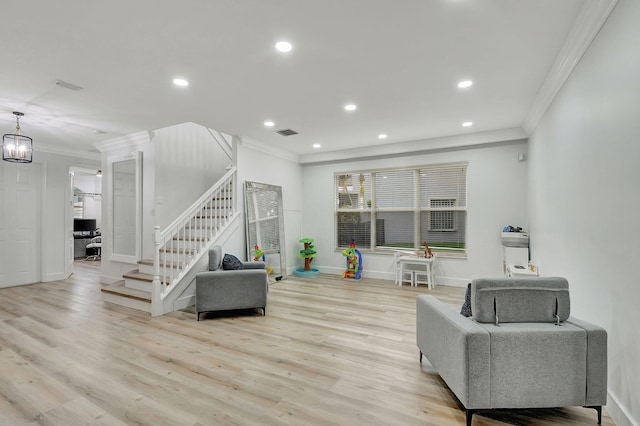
[[265, 222], [125, 212]]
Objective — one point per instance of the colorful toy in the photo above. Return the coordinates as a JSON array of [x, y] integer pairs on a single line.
[[259, 255], [427, 251], [308, 253], [354, 262]]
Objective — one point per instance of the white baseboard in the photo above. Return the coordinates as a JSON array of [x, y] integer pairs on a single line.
[[184, 302], [618, 412], [391, 276], [58, 276], [452, 282]]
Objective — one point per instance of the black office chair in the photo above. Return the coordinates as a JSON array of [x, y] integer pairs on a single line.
[[95, 246]]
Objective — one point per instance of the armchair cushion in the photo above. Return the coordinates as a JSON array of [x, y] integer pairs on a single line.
[[230, 263], [466, 306], [533, 299]]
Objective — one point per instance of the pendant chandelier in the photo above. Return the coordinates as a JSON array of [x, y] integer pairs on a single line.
[[17, 148]]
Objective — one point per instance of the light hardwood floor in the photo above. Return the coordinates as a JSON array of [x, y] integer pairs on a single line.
[[328, 351]]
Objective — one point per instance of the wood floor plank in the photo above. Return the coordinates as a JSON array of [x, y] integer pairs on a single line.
[[328, 352]]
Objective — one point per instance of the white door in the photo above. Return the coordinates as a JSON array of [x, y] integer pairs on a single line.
[[20, 215], [68, 224]]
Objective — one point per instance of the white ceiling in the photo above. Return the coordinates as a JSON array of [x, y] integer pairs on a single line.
[[399, 61]]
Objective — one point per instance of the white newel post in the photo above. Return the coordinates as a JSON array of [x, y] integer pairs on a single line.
[[156, 286]]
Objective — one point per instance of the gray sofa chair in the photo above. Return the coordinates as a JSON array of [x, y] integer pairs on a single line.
[[221, 290], [520, 349]]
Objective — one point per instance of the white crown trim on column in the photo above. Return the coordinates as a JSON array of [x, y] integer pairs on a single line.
[[128, 141], [590, 19]]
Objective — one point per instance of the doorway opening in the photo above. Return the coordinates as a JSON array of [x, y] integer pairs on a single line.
[[85, 215]]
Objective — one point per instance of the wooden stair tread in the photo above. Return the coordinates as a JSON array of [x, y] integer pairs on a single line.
[[210, 217], [179, 251], [118, 289], [137, 275], [179, 238], [163, 263]]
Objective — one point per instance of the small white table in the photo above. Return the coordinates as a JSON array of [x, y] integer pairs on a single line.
[[418, 264]]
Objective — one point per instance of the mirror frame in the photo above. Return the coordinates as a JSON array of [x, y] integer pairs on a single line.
[[255, 187], [120, 257]]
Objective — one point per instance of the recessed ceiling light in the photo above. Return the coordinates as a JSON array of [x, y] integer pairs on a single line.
[[350, 107], [316, 145], [283, 46], [382, 136], [269, 123], [180, 82], [464, 84], [467, 124]]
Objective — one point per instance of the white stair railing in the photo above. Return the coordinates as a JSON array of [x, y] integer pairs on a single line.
[[179, 245]]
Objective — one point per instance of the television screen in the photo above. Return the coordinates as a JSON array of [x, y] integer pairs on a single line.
[[84, 225]]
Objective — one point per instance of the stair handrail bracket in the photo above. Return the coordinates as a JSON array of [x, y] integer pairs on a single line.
[[178, 247]]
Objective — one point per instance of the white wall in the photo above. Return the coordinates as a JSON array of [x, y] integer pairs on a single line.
[[584, 197], [179, 163], [259, 166], [188, 161], [496, 198], [56, 198]]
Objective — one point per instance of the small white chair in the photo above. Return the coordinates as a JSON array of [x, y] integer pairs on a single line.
[[95, 243], [429, 274], [400, 272]]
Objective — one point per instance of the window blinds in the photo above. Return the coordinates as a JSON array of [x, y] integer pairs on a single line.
[[403, 208]]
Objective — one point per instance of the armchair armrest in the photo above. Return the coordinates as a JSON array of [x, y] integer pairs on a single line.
[[457, 347], [596, 362], [256, 264]]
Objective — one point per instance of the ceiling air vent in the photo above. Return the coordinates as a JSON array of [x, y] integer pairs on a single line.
[[287, 132]]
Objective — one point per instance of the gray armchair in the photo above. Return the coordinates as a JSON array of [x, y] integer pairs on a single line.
[[521, 349], [221, 290]]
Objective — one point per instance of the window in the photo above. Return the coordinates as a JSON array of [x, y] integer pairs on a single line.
[[403, 208], [442, 220]]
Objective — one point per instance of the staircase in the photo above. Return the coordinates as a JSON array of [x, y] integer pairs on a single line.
[[166, 283]]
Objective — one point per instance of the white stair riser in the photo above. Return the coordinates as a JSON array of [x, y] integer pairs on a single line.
[[148, 269], [176, 258], [127, 301], [137, 284], [208, 221], [185, 244], [197, 232]]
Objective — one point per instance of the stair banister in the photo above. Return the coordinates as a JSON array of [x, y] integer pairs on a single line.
[[211, 211]]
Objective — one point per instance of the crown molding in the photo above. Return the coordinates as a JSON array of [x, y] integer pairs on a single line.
[[56, 150], [590, 19], [263, 147], [417, 146], [129, 141]]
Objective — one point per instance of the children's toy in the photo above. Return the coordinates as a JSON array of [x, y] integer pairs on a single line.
[[308, 254], [259, 255], [354, 262], [427, 251]]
